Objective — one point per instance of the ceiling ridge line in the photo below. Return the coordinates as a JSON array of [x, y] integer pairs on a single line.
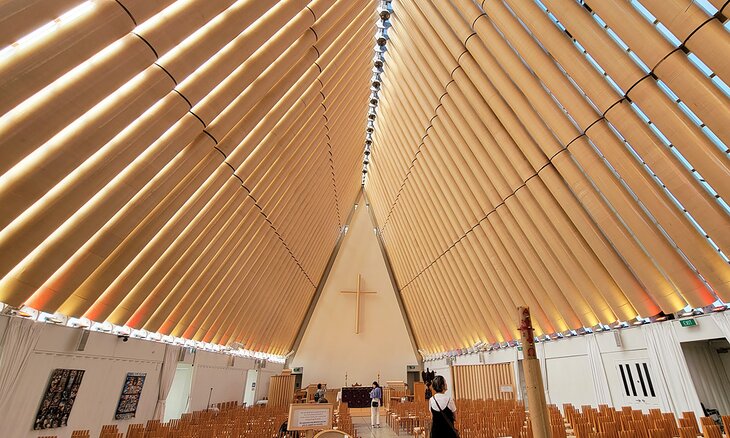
[[384, 10], [329, 147], [248, 191], [420, 146], [322, 281], [502, 203], [334, 186], [514, 192], [276, 231], [271, 224]]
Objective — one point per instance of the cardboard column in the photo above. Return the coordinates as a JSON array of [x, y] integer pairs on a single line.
[[533, 377]]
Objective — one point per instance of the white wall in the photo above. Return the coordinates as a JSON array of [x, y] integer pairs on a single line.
[[217, 372], [568, 374], [330, 348], [106, 360], [264, 378]]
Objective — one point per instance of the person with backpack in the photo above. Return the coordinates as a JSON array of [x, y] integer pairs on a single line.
[[320, 393]]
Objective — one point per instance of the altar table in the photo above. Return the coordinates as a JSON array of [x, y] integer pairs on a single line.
[[357, 396]]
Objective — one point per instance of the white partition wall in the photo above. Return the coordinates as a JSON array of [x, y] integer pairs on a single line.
[[632, 377], [106, 359]]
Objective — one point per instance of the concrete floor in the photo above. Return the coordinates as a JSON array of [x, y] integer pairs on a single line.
[[362, 425]]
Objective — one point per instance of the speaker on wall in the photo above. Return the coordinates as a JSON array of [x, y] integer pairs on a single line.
[[617, 338], [83, 339]]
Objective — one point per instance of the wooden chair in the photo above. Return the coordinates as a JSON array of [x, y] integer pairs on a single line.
[[687, 432], [690, 420], [135, 431], [711, 431], [331, 395], [331, 434], [109, 431]]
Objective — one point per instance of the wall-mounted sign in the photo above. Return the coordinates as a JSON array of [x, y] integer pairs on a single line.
[[690, 322]]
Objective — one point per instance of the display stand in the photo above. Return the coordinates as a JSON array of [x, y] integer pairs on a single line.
[[310, 417]]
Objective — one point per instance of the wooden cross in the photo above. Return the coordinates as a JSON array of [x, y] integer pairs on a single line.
[[357, 293]]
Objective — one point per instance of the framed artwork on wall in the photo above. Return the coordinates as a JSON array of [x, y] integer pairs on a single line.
[[59, 398], [129, 400]]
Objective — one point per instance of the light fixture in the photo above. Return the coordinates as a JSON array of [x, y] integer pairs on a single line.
[[385, 10], [381, 37], [380, 49], [105, 327], [121, 330], [82, 323], [141, 333], [375, 80], [53, 319], [379, 59], [384, 24]]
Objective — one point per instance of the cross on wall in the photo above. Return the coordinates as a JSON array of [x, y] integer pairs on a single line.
[[357, 294]]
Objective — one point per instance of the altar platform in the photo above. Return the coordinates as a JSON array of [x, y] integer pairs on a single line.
[[358, 400]]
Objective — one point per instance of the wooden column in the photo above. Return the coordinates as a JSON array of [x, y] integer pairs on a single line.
[[533, 377], [419, 392], [281, 390]]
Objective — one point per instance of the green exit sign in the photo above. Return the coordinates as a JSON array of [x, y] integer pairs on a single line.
[[688, 322]]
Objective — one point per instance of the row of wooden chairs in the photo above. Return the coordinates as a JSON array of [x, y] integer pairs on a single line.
[[606, 422], [475, 419], [229, 421], [407, 416], [343, 420], [226, 405], [498, 418]]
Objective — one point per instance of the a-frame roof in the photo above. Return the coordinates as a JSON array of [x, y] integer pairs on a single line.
[[186, 167]]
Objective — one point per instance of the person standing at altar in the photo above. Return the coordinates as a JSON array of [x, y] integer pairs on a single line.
[[376, 398]]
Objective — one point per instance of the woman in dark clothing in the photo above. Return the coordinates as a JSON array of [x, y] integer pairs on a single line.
[[443, 411]]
